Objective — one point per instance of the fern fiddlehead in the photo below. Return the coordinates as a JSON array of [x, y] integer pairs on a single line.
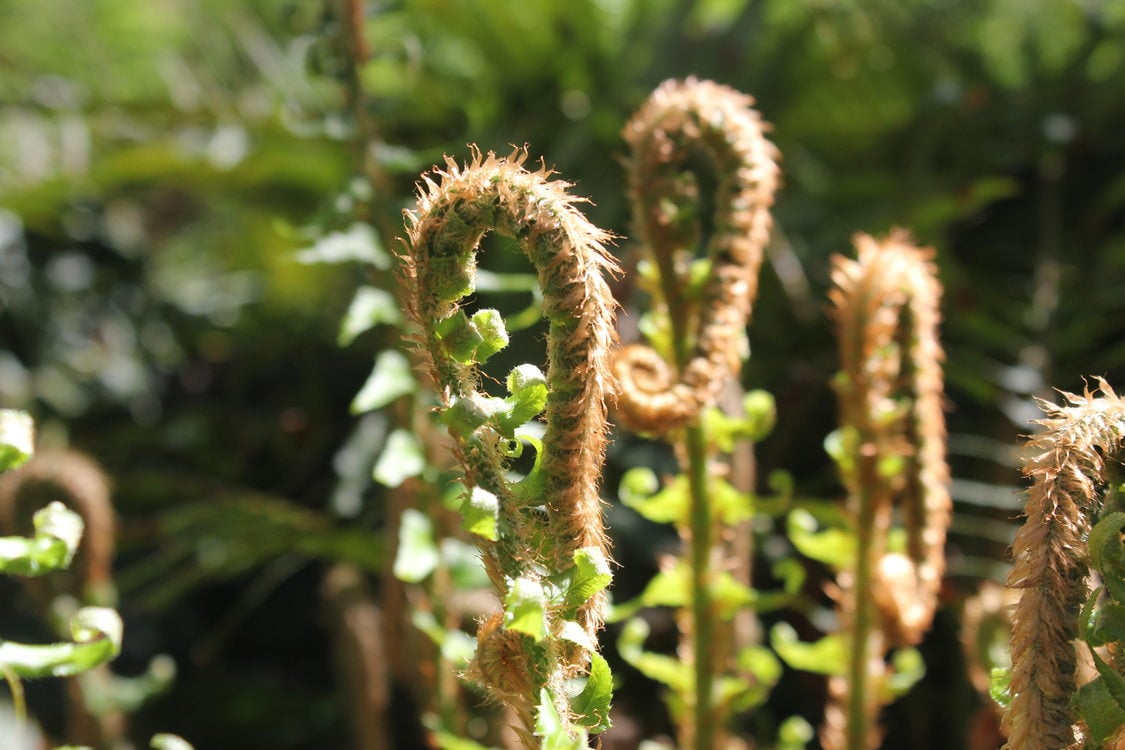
[[891, 454], [542, 538], [681, 121], [685, 133], [1073, 466]]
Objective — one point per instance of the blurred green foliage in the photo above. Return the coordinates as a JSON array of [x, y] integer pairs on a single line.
[[163, 163]]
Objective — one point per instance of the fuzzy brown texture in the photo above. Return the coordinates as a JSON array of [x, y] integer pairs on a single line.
[[80, 484], [1067, 469], [887, 310], [886, 307], [680, 122], [457, 206]]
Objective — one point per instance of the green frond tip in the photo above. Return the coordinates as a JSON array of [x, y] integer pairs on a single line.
[[525, 608], [591, 705], [480, 513], [590, 576], [825, 656], [58, 532], [17, 438], [97, 639]]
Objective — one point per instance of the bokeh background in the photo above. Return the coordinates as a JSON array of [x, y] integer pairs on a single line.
[[169, 168]]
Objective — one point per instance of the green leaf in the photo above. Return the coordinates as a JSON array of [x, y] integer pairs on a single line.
[[390, 378], [525, 608], [1000, 686], [591, 574], [459, 337], [794, 734], [169, 742], [494, 336], [357, 243], [842, 446], [549, 727], [58, 532], [765, 670], [97, 639], [1107, 553], [835, 547], [756, 422], [370, 307], [825, 656], [417, 554], [17, 438], [528, 388], [669, 588], [480, 513], [1107, 625], [638, 484], [591, 705], [402, 457], [1103, 712], [670, 505], [907, 669], [729, 506], [674, 673]]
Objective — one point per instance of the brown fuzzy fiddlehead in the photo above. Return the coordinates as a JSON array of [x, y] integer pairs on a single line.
[[681, 124], [1071, 463], [544, 545], [891, 454]]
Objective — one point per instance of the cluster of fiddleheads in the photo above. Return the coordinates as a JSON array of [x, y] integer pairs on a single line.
[[890, 451], [541, 536]]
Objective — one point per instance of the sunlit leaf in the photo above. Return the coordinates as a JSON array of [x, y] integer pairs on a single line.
[[370, 307], [391, 377], [824, 656], [58, 532], [525, 608], [834, 547], [402, 457], [357, 243], [591, 705], [417, 554], [97, 639], [17, 438], [480, 513]]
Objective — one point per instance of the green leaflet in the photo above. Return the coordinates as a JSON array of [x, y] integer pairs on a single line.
[[97, 639], [674, 673], [480, 512], [824, 656], [835, 547], [58, 532], [525, 608], [417, 554], [370, 307], [591, 705], [391, 377], [17, 438], [591, 574], [403, 457]]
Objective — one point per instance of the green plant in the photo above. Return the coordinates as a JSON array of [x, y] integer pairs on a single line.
[[890, 452], [685, 136], [541, 535], [1075, 518]]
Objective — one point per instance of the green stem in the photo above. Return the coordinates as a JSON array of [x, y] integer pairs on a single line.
[[702, 625], [19, 705], [857, 714]]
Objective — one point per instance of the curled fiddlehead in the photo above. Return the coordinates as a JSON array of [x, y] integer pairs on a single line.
[[1073, 466], [891, 454], [681, 123], [542, 537]]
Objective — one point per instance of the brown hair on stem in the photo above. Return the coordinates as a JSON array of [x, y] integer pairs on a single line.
[[1068, 466], [538, 535], [892, 456]]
